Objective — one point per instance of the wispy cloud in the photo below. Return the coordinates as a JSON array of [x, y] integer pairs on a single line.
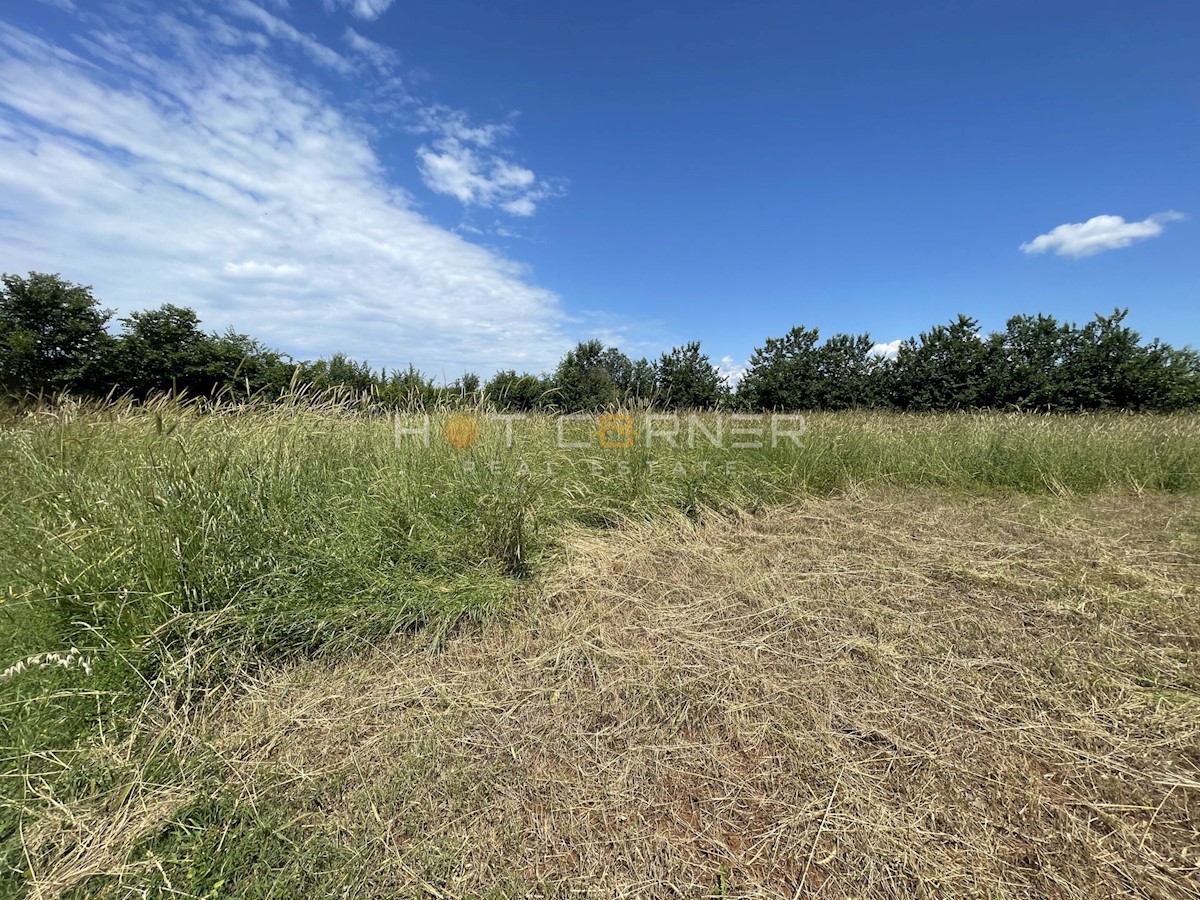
[[278, 28], [385, 59], [464, 161], [190, 165], [367, 10], [1098, 234], [439, 119]]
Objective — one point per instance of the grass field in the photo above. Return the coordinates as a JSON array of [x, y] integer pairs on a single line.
[[298, 653]]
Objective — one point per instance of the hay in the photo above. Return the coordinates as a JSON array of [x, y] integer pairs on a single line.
[[884, 695]]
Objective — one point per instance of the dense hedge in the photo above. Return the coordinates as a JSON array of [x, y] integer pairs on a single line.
[[55, 338]]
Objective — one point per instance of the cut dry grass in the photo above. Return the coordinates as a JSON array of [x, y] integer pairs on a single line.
[[877, 694]]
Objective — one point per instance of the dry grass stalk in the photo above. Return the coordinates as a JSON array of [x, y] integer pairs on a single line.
[[874, 695]]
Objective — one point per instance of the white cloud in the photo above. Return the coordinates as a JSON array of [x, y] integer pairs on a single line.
[[731, 372], [443, 121], [385, 59], [888, 350], [362, 9], [278, 28], [254, 269], [522, 206], [192, 174], [481, 178], [1098, 234]]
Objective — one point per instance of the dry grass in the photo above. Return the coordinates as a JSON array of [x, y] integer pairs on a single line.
[[87, 841], [880, 694], [873, 695]]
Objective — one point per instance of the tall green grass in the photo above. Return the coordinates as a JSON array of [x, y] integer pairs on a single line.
[[176, 548]]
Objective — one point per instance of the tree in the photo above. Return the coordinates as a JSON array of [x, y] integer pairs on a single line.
[[522, 393], [784, 373], [592, 377], [1027, 365], [52, 334], [163, 350], [240, 361], [407, 389], [464, 390], [944, 369], [338, 373], [640, 387], [687, 379], [1109, 369], [1181, 377], [848, 373]]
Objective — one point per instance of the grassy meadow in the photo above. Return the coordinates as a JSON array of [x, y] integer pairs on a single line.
[[158, 563]]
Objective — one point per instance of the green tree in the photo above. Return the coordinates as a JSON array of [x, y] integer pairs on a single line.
[[521, 393], [1038, 363], [464, 390], [339, 373], [407, 389], [245, 364], [591, 377], [162, 350], [640, 386], [687, 379], [1110, 369], [946, 368], [847, 372], [784, 374], [52, 335], [1027, 365], [1181, 376]]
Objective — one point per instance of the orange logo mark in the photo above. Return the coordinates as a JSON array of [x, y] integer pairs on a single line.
[[461, 432], [616, 431]]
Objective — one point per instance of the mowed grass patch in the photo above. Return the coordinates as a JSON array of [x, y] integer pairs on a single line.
[[877, 693]]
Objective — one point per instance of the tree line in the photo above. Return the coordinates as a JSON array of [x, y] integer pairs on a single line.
[[56, 338]]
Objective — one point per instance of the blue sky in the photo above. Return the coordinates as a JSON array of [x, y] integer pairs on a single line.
[[477, 186]]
